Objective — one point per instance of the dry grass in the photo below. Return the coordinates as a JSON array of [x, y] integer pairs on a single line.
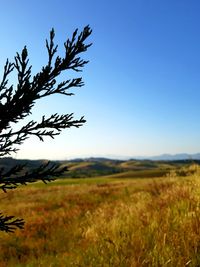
[[130, 223]]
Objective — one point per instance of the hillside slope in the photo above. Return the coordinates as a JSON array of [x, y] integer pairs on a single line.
[[93, 167]]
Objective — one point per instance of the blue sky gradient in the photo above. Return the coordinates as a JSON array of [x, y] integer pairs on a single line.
[[142, 85]]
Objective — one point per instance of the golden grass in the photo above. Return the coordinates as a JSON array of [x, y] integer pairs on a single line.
[[125, 223]]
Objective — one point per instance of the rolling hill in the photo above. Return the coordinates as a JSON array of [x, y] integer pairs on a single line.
[[93, 167]]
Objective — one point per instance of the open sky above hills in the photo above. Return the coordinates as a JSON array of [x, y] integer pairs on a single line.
[[142, 85]]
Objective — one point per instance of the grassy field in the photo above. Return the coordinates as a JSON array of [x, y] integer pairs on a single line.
[[106, 221]]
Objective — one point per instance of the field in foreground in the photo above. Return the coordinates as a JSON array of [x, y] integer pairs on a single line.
[[105, 222]]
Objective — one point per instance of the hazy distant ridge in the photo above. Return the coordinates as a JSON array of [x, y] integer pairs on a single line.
[[182, 156], [164, 157]]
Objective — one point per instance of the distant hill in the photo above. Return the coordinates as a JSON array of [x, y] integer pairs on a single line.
[[82, 168]]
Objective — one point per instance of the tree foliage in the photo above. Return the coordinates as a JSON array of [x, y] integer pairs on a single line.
[[17, 101]]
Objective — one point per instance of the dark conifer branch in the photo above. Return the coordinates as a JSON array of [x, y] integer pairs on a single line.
[[55, 122], [20, 102], [46, 173], [16, 103], [10, 224], [8, 68]]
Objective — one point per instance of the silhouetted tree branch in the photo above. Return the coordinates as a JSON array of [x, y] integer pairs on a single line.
[[16, 103]]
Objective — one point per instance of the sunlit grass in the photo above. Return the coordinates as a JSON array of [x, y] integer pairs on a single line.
[[105, 222]]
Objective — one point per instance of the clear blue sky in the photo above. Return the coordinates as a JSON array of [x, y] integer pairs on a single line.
[[142, 85]]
